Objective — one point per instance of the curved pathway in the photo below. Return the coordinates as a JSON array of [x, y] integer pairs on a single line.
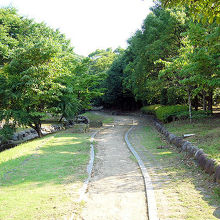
[[116, 190]]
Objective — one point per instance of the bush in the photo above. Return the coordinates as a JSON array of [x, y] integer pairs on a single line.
[[151, 109], [195, 114], [166, 113], [7, 131]]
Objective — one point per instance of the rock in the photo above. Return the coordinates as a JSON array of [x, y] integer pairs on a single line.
[[202, 160], [210, 166], [217, 174], [15, 137], [198, 153], [178, 142], [193, 149], [81, 119], [185, 145], [171, 137]]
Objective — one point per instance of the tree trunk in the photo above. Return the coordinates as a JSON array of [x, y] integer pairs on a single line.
[[210, 101], [61, 118], [190, 106], [204, 100], [38, 130], [196, 103]]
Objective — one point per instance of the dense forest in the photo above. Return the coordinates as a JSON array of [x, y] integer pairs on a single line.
[[171, 60]]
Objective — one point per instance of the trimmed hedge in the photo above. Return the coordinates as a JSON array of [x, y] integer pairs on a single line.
[[195, 114], [150, 109], [166, 113], [170, 112]]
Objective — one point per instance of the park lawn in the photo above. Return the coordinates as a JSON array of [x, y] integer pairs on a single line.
[[41, 179], [207, 134], [189, 192], [93, 116]]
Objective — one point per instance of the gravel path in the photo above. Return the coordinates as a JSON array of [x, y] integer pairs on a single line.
[[116, 190]]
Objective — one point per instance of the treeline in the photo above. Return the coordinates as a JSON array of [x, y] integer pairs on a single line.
[[170, 60], [40, 73]]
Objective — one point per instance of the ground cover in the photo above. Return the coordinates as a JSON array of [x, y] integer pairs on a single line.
[[41, 179], [207, 134], [182, 190]]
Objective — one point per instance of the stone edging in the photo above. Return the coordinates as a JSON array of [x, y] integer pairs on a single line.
[[29, 134], [89, 168], [192, 151], [151, 202]]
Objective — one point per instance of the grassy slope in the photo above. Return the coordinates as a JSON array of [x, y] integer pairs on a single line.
[[40, 179], [186, 191], [207, 134]]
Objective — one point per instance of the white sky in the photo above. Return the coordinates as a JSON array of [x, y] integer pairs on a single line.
[[90, 24]]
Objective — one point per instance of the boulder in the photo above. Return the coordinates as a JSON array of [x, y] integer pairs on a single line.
[[210, 166], [192, 150], [185, 145], [81, 119], [217, 174], [202, 160], [198, 153], [171, 137]]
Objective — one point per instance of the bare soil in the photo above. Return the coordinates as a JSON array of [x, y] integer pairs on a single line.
[[116, 190]]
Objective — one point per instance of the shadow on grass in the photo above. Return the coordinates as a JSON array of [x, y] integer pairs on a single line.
[[63, 156]]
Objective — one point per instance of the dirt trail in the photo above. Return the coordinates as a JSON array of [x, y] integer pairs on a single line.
[[116, 190]]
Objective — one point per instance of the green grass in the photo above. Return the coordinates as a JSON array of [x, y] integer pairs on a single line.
[[207, 134], [41, 179], [189, 192], [98, 117]]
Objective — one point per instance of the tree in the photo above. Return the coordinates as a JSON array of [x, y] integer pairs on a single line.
[[99, 63], [40, 73], [200, 10], [159, 38]]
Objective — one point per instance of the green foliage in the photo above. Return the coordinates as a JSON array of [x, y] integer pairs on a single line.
[[151, 109], [7, 131], [159, 38], [165, 113], [202, 10], [40, 73], [195, 114]]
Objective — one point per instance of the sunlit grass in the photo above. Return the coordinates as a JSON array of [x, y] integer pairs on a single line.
[[189, 192], [41, 179], [207, 134]]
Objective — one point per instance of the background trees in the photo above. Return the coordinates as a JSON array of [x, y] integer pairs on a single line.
[[200, 10], [40, 73], [170, 60]]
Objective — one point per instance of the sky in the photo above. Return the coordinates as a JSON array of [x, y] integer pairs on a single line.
[[89, 24]]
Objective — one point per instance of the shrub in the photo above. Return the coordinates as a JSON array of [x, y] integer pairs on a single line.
[[166, 113], [7, 131], [151, 109], [195, 114]]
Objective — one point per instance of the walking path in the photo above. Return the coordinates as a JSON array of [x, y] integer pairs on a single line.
[[116, 190]]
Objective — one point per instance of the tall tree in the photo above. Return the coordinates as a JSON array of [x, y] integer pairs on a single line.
[[200, 10]]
